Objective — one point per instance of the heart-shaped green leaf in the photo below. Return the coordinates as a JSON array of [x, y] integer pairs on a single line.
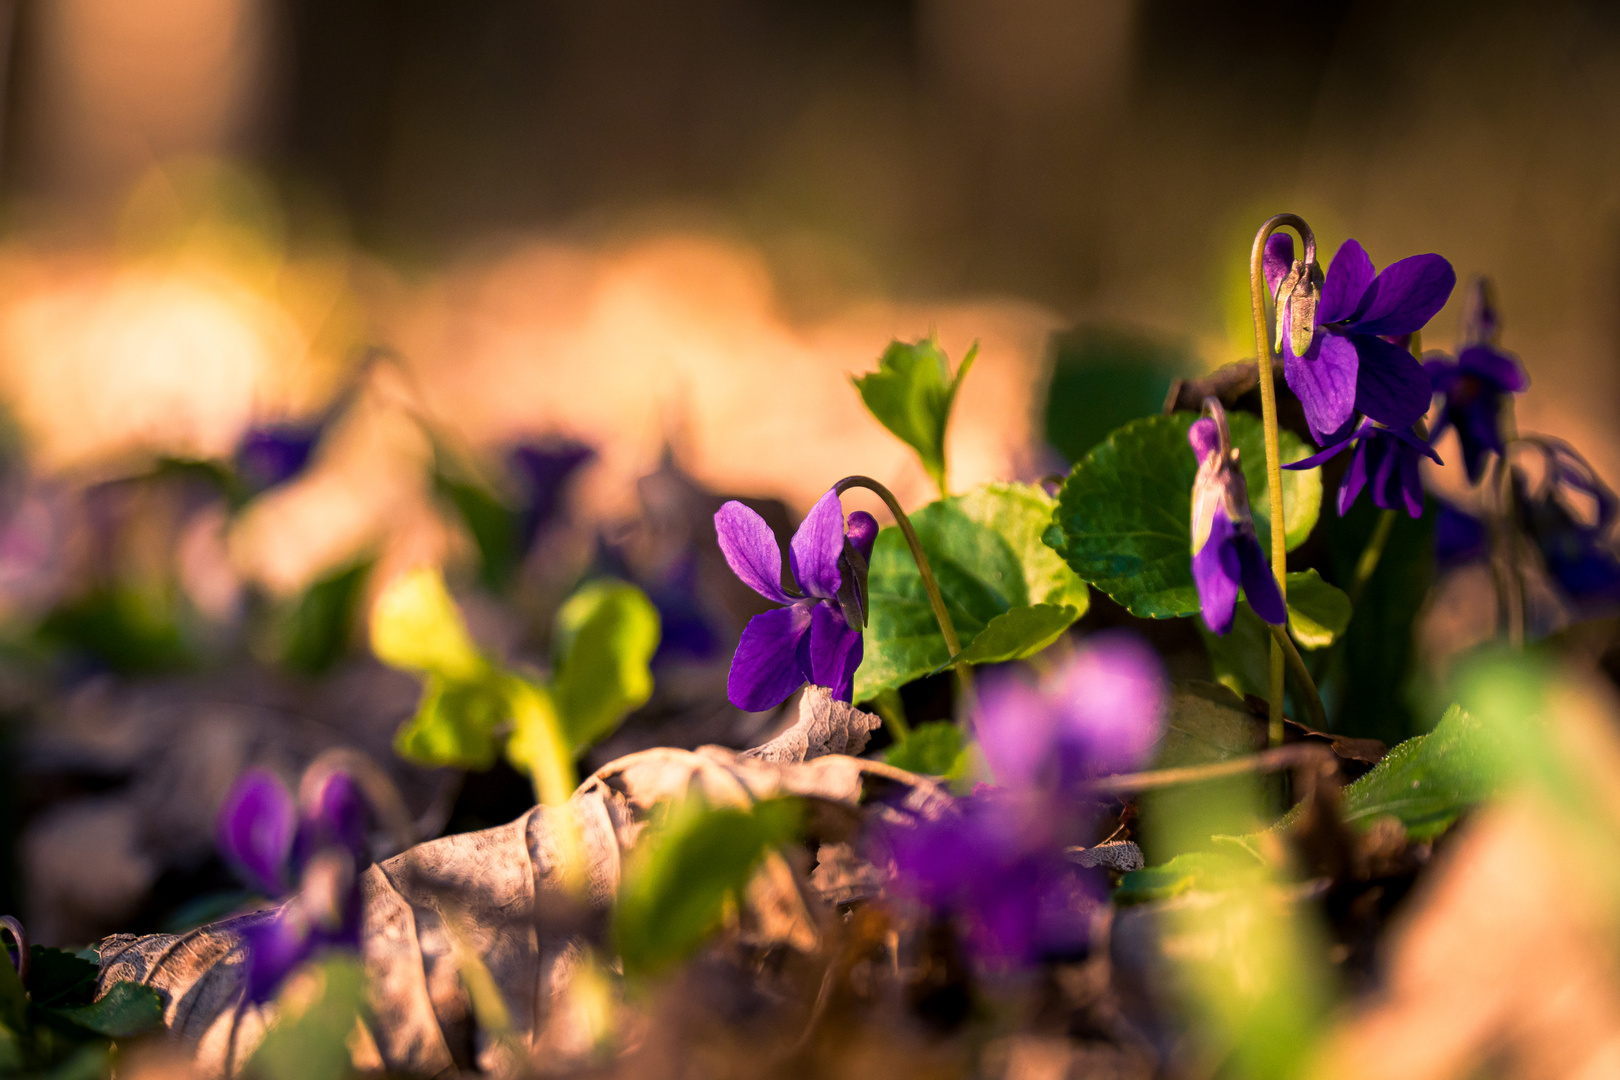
[[1123, 520], [1317, 612], [125, 1009], [911, 394], [1428, 781], [986, 553]]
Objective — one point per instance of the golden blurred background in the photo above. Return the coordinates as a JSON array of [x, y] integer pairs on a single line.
[[646, 225]]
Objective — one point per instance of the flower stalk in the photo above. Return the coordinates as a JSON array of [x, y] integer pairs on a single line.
[[936, 599], [1268, 419]]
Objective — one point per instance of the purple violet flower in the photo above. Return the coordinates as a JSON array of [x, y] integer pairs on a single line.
[[1099, 711], [1390, 457], [544, 470], [1476, 384], [269, 455], [1350, 367], [1226, 552], [815, 637], [1459, 537], [273, 844], [1575, 547], [994, 863]]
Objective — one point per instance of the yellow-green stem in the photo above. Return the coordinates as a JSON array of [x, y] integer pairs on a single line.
[[1304, 685], [1268, 420], [936, 599]]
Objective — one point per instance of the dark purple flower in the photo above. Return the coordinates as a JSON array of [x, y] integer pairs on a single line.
[[543, 470], [1349, 366], [1572, 538], [269, 455], [323, 854], [811, 638], [1459, 537], [1100, 710], [1386, 456], [1475, 385], [1226, 552], [994, 863]]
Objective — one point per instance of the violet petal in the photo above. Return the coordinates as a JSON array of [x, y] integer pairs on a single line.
[[1278, 259], [751, 550], [835, 651], [814, 550], [1407, 294], [1391, 387], [1325, 384], [1259, 585], [765, 669], [1216, 572], [1345, 285], [1499, 367], [1355, 478], [255, 830]]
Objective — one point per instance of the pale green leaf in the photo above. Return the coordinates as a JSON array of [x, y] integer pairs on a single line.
[[415, 625], [911, 394], [606, 635]]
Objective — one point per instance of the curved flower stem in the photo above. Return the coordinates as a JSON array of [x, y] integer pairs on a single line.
[[1304, 685], [1509, 584], [1268, 419], [936, 599]]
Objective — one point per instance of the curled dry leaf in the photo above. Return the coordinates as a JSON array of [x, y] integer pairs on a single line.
[[507, 894]]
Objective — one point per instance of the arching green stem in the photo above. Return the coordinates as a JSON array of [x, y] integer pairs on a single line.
[[1268, 419], [936, 599]]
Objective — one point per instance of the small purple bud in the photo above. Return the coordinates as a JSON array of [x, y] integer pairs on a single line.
[[1204, 437], [861, 530], [332, 815], [1277, 260]]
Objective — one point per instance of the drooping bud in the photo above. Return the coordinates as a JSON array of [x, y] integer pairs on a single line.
[[1219, 483], [1298, 294], [1481, 326], [860, 533]]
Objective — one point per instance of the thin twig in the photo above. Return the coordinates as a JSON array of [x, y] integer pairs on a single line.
[[1278, 757]]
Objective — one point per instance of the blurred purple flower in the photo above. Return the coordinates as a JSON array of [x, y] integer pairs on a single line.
[[1476, 384], [1349, 366], [544, 470], [321, 848], [994, 863], [1389, 457], [1226, 552], [811, 638], [269, 455], [1574, 545], [1099, 711], [1459, 537]]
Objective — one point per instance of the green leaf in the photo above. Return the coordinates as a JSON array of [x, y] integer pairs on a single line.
[[606, 635], [1020, 632], [1187, 871], [986, 553], [1206, 722], [932, 749], [1370, 690], [457, 723], [911, 394], [57, 977], [683, 869], [1123, 519], [1428, 781], [315, 633], [13, 998], [1317, 612], [496, 529], [126, 1009], [316, 1013], [415, 625]]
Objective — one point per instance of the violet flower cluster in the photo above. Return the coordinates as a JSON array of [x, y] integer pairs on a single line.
[[315, 852], [1351, 364], [1388, 457], [1226, 553], [816, 635], [994, 862], [1476, 385]]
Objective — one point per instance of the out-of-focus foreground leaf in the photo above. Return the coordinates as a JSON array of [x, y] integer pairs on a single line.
[[932, 749], [315, 1018], [605, 638], [679, 878]]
